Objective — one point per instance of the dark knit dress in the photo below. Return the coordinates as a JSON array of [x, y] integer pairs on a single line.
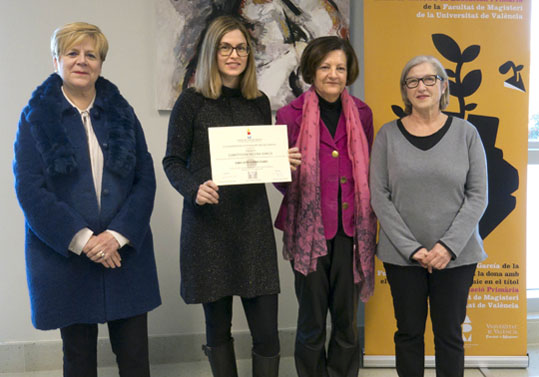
[[228, 248]]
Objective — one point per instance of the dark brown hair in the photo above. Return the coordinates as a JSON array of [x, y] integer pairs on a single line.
[[317, 50]]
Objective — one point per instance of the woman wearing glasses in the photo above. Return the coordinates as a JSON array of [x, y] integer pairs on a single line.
[[227, 245], [429, 190]]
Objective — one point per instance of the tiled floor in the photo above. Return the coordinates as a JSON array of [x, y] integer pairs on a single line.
[[201, 369]]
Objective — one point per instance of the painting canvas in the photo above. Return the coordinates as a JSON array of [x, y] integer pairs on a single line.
[[280, 29]]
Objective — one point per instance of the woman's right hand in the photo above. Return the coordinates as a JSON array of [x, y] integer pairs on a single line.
[[421, 257], [294, 157], [103, 249], [207, 193]]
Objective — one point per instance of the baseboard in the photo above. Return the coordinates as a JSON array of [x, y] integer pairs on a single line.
[[47, 355]]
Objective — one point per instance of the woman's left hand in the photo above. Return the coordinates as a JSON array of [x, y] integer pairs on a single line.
[[438, 257], [103, 249], [294, 157]]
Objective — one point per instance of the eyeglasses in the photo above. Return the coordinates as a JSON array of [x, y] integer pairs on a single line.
[[429, 80], [226, 50]]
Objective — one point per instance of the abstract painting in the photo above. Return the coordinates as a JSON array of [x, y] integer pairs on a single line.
[[280, 29]]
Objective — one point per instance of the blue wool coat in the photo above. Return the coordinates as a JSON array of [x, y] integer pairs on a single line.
[[54, 185]]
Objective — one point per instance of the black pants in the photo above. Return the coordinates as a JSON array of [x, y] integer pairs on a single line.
[[129, 340], [261, 313], [331, 287], [447, 292]]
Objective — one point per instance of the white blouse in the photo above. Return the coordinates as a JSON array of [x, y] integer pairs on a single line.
[[96, 160]]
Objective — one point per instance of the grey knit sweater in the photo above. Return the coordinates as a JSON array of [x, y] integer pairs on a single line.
[[422, 197]]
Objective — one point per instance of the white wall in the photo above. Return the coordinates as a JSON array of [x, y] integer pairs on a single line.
[[25, 29]]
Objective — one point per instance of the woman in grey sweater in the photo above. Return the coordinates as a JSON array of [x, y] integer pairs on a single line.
[[429, 190]]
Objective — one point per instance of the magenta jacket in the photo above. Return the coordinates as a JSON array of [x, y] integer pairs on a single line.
[[335, 166]]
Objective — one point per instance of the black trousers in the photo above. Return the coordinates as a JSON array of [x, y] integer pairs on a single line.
[[261, 314], [447, 292], [331, 287], [129, 340]]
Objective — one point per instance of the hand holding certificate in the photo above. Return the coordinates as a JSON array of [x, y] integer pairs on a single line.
[[249, 154]]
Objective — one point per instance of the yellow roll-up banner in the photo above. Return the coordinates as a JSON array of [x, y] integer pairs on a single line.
[[484, 46]]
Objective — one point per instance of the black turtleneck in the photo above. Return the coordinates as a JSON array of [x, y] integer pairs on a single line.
[[230, 92], [330, 112]]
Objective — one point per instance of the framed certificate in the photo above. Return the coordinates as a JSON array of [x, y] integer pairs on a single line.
[[249, 154]]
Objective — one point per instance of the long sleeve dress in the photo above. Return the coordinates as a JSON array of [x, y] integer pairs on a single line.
[[227, 248]]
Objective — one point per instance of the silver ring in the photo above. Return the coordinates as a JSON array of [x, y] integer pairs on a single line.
[[101, 254]]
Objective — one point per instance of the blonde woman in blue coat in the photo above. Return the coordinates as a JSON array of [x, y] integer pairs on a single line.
[[86, 184]]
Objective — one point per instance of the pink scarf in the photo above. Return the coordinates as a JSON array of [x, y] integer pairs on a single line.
[[304, 238]]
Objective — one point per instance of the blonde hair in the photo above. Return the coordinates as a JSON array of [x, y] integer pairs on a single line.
[[438, 68], [207, 77], [71, 34]]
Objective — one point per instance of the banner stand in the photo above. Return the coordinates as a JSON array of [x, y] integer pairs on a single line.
[[484, 45]]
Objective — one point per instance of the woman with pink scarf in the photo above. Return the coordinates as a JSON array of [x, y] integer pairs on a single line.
[[329, 227]]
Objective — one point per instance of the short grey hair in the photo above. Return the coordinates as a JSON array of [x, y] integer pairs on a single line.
[[438, 68]]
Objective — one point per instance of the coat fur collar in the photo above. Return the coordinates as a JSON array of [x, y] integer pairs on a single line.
[[44, 114]]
